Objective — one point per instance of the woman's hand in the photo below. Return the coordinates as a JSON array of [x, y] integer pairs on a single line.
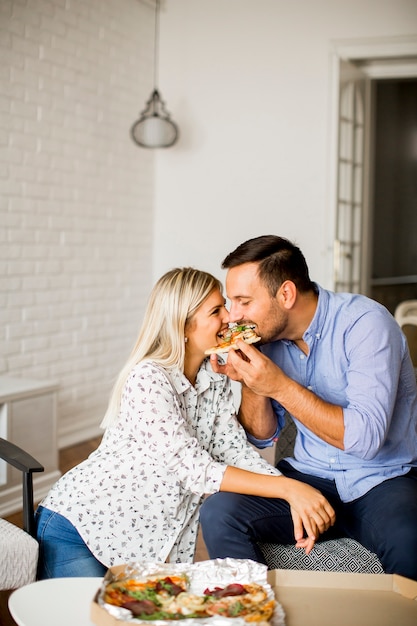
[[311, 513]]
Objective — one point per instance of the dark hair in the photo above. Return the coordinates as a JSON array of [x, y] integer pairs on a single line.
[[279, 260]]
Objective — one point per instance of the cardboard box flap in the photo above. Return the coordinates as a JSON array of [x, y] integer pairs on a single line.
[[330, 580], [405, 586], [342, 580], [346, 599]]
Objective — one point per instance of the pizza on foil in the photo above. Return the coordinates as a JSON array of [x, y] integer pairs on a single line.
[[169, 598]]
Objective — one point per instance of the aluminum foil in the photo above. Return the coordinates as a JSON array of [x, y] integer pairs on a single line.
[[212, 573]]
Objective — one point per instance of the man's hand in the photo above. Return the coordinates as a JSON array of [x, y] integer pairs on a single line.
[[255, 413], [227, 368], [263, 377], [255, 370]]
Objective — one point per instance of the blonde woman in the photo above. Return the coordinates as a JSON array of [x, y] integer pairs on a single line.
[[171, 436]]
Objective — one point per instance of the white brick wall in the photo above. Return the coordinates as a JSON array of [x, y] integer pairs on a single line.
[[76, 196]]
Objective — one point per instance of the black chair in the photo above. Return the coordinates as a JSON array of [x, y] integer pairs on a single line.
[[18, 547]]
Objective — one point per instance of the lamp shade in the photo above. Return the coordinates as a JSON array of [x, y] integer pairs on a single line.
[[154, 128]]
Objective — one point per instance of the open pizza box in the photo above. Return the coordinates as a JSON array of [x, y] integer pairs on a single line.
[[345, 599], [322, 599]]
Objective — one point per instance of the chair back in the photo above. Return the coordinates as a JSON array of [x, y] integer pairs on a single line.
[[406, 316], [24, 462], [18, 546], [406, 313]]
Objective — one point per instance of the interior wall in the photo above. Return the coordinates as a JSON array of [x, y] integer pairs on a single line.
[[249, 84], [76, 196]]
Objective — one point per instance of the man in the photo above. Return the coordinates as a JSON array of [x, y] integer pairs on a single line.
[[339, 364]]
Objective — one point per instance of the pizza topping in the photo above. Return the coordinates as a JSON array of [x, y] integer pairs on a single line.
[[144, 595], [141, 608], [246, 332], [168, 585], [231, 590], [237, 330]]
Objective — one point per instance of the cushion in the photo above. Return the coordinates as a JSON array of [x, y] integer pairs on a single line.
[[19, 556], [339, 555], [335, 555]]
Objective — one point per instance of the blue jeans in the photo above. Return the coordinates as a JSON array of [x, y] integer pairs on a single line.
[[62, 552], [384, 520]]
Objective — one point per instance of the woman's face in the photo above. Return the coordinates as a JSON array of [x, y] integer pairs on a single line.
[[210, 319]]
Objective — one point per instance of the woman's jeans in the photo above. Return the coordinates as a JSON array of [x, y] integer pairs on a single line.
[[384, 520], [62, 552]]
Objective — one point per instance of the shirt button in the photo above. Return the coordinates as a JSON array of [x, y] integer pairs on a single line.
[[332, 460], [302, 356], [310, 387]]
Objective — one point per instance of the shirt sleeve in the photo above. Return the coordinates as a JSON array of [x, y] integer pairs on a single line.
[[230, 442], [374, 351], [151, 411], [279, 412], [264, 443]]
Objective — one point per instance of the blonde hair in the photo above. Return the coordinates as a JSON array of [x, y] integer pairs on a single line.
[[173, 301]]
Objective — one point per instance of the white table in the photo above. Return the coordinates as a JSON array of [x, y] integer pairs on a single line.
[[54, 602]]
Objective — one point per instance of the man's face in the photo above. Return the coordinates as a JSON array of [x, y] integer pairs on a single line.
[[250, 302]]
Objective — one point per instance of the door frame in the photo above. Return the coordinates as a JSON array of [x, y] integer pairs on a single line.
[[385, 57]]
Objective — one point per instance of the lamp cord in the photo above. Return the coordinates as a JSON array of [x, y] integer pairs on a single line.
[[156, 40]]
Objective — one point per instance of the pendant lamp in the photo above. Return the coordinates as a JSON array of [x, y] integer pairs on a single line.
[[154, 128]]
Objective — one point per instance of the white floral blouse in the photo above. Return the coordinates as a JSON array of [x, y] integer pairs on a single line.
[[137, 496]]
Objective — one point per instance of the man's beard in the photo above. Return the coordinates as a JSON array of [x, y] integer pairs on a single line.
[[276, 326]]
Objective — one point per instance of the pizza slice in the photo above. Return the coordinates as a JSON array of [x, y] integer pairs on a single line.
[[147, 599], [246, 332], [249, 601]]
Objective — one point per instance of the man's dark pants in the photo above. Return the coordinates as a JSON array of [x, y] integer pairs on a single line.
[[384, 520]]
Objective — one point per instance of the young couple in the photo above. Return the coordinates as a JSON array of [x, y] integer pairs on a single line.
[[338, 363]]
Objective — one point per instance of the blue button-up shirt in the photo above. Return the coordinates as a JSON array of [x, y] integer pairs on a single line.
[[358, 359]]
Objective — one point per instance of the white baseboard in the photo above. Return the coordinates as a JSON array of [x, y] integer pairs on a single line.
[[78, 434]]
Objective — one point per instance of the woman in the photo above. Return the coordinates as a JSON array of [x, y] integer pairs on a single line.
[[171, 437]]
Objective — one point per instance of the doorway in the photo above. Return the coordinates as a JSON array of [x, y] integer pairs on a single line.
[[393, 268], [375, 241]]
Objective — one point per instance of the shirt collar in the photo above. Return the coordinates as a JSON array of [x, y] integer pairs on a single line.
[[315, 329], [205, 376]]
